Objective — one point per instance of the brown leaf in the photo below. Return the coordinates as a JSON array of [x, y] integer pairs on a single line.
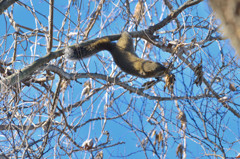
[[144, 142], [232, 87], [99, 155], [182, 117], [160, 137], [138, 13], [154, 142], [87, 88], [153, 133], [179, 150], [169, 82], [64, 84], [199, 73]]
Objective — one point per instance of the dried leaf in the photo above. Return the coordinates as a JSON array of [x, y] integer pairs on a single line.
[[182, 117], [169, 82], [160, 137], [99, 155], [87, 88], [179, 151], [144, 143], [232, 87], [199, 73], [138, 13], [64, 84], [156, 140], [154, 143], [153, 133]]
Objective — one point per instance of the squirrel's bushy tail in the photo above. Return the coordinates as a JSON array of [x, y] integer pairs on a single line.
[[84, 50]]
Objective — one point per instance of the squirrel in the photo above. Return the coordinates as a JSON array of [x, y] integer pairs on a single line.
[[123, 54]]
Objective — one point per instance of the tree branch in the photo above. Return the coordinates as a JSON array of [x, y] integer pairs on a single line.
[[116, 81], [179, 54], [172, 16]]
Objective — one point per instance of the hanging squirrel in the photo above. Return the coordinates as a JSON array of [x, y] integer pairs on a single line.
[[123, 54]]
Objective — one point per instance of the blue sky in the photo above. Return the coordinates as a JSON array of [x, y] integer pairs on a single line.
[[140, 107]]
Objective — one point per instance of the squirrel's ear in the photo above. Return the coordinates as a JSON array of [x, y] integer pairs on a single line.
[[125, 42]]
